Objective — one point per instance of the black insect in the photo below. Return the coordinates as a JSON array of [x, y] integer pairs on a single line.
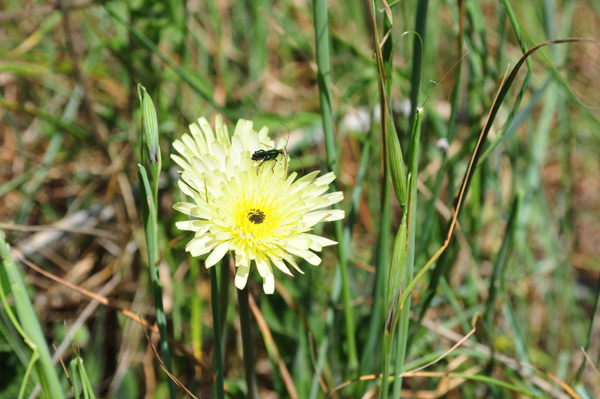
[[266, 155], [272, 154]]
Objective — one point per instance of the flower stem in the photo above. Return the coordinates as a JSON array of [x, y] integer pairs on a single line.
[[150, 217], [247, 342], [217, 347]]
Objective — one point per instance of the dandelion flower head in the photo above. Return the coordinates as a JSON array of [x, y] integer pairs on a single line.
[[250, 208]]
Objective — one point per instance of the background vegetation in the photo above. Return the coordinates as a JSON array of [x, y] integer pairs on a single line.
[[525, 255]]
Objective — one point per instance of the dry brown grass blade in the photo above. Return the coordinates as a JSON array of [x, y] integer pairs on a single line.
[[452, 383], [427, 374], [456, 345], [68, 229], [65, 369], [266, 333], [411, 372], [507, 361], [107, 302], [590, 361], [162, 366], [170, 246]]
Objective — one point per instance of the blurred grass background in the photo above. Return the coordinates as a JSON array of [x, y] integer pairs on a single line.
[[70, 133]]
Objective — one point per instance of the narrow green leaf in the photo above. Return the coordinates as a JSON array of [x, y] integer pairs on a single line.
[[29, 322], [417, 57], [324, 80], [74, 377], [499, 270], [71, 128]]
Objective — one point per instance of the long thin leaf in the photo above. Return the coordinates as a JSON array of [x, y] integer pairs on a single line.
[[29, 322], [324, 80]]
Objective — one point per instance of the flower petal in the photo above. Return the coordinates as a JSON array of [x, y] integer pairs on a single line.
[[216, 255], [269, 284], [185, 207], [241, 277]]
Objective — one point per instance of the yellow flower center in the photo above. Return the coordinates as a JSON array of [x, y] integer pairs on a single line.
[[256, 219], [256, 216]]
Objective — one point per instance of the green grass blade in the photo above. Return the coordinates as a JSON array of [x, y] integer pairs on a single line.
[[17, 181], [258, 55], [34, 357], [499, 270], [384, 227], [88, 392], [417, 57], [324, 80], [453, 301], [30, 324], [74, 377], [54, 147], [455, 104], [516, 27], [197, 85], [74, 130]]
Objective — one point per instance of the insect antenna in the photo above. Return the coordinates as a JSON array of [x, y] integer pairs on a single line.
[[287, 143]]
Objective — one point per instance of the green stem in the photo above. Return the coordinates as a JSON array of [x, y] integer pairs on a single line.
[[218, 355], [34, 358], [224, 278], [323, 78], [417, 59], [247, 342], [151, 231], [408, 272]]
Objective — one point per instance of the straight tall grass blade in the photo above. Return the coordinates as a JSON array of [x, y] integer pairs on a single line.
[[324, 80], [499, 270]]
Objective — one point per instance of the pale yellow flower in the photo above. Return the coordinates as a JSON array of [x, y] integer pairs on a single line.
[[252, 209]]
